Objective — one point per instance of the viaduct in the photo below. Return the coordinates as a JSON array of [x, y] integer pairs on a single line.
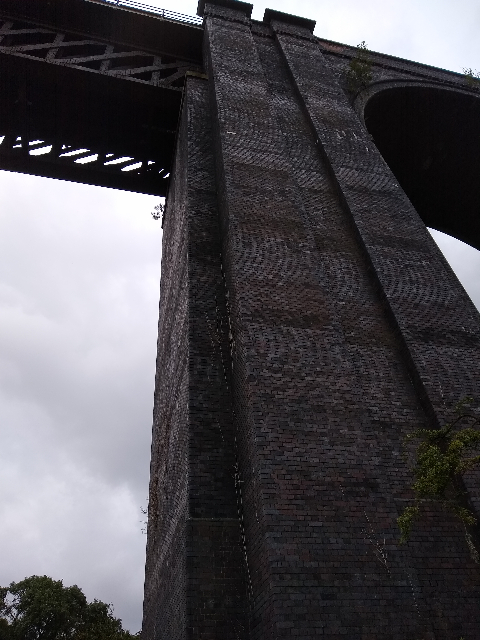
[[308, 322]]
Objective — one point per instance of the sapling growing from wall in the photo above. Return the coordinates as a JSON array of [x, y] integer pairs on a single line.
[[442, 457], [158, 211], [359, 72], [472, 78]]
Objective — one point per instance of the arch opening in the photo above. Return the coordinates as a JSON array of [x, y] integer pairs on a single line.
[[430, 138]]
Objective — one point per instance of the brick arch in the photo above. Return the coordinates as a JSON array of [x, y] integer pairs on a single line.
[[430, 138]]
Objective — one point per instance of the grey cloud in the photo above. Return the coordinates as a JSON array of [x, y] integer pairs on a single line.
[[79, 283]]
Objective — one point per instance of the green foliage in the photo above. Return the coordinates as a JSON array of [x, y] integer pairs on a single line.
[[157, 213], [359, 73], [39, 608], [472, 78], [405, 521], [442, 457]]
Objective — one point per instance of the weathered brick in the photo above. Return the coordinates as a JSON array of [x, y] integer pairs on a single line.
[[308, 323]]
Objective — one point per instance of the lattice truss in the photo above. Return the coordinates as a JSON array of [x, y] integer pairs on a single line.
[[29, 41], [14, 146]]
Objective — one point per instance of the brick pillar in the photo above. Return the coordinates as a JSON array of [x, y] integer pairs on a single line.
[[435, 320], [195, 584], [327, 269], [438, 323]]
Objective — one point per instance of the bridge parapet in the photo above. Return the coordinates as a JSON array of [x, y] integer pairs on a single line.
[[166, 14]]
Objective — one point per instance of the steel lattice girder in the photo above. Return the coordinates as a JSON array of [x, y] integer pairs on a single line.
[[129, 103]]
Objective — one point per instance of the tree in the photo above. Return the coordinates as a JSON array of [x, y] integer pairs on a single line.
[[39, 608]]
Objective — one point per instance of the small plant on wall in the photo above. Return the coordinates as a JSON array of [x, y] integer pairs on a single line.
[[359, 72], [472, 78], [442, 457], [158, 211]]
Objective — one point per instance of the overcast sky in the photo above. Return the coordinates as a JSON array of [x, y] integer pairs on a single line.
[[79, 288]]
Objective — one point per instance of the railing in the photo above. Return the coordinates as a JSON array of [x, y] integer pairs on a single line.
[[164, 13]]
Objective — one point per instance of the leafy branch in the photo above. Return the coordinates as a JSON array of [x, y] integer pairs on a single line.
[[443, 456], [359, 72]]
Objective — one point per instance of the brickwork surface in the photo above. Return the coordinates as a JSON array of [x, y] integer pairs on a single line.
[[165, 571], [216, 592], [308, 323], [195, 575]]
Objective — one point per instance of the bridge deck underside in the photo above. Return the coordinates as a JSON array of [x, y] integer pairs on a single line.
[[124, 138], [80, 101]]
